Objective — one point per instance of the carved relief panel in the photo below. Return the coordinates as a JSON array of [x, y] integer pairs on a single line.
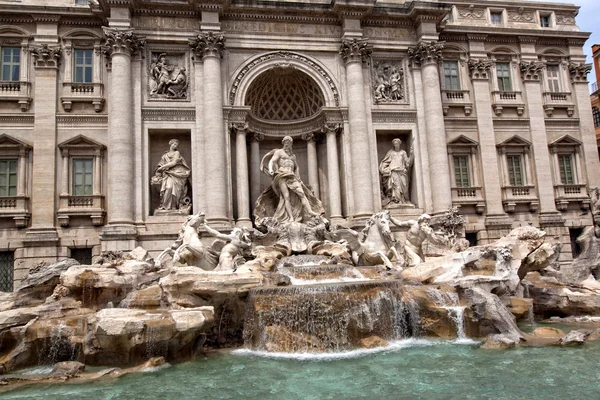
[[388, 82], [168, 76]]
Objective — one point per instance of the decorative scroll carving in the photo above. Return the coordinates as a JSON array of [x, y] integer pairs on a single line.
[[167, 80], [46, 56], [480, 69], [388, 82], [309, 137], [257, 137], [355, 50], [208, 44], [121, 41], [579, 71], [238, 127], [565, 19], [532, 71], [283, 55], [471, 13], [425, 53], [521, 16]]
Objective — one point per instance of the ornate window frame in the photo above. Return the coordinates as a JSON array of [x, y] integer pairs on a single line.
[[577, 191], [464, 146], [16, 207], [563, 98], [506, 99], [522, 194], [17, 91], [88, 205], [74, 92], [462, 96]]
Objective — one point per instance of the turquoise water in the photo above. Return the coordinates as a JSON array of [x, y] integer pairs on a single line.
[[414, 369]]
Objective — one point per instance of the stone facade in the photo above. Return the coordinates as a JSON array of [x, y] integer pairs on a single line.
[[595, 96], [492, 97]]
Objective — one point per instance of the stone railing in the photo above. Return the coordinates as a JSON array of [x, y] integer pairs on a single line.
[[458, 98], [513, 195], [81, 206], [73, 92], [554, 100], [15, 208], [512, 99], [575, 193], [469, 196], [19, 92]]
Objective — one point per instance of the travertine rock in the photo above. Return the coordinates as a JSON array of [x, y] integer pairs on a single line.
[[372, 342], [574, 338]]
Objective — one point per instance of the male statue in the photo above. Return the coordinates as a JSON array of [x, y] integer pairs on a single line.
[[395, 169], [417, 233], [287, 199]]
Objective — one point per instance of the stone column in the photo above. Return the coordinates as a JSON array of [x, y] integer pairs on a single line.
[[586, 121], [120, 233], [97, 172], [313, 168], [23, 152], [255, 171], [65, 173], [43, 193], [427, 56], [355, 52], [210, 47], [531, 72], [119, 46], [241, 163], [480, 76], [333, 172]]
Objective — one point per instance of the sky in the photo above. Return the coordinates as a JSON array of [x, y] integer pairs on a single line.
[[588, 21]]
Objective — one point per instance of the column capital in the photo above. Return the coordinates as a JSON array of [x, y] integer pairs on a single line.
[[426, 53], [309, 137], [121, 41], [46, 56], [579, 72], [480, 69], [329, 128], [355, 50], [208, 44], [256, 137], [532, 70], [240, 127]]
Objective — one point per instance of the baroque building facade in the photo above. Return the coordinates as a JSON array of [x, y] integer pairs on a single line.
[[99, 101]]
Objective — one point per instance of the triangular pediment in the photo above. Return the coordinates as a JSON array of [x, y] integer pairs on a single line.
[[9, 142], [514, 141], [81, 142], [565, 140], [463, 140]]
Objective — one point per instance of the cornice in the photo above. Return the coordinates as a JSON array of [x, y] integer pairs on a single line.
[[20, 119], [384, 116], [81, 120], [168, 114]]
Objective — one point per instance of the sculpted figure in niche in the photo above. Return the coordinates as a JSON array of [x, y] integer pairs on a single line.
[[395, 170], [417, 233], [172, 174], [167, 80], [389, 86], [287, 199]]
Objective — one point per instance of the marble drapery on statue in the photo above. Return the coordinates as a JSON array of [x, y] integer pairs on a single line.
[[287, 199], [172, 174], [395, 171]]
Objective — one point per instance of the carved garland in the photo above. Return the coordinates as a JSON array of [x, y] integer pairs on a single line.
[[471, 13], [286, 55]]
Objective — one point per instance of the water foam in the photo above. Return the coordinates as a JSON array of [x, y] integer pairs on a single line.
[[392, 346]]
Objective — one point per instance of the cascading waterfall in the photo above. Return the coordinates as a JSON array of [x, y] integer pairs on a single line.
[[327, 317], [155, 347], [449, 301], [58, 347], [321, 274]]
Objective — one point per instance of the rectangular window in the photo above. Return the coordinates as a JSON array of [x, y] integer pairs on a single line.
[[11, 64], [545, 21], [553, 80], [515, 170], [8, 177], [7, 259], [451, 75], [596, 115], [83, 66], [565, 165], [461, 171], [82, 176], [503, 74], [496, 18]]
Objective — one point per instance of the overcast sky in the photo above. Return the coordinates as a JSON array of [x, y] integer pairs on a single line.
[[588, 20]]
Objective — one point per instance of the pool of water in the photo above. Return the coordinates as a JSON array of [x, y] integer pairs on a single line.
[[411, 369]]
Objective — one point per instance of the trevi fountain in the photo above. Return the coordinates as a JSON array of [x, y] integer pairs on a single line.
[[300, 308]]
